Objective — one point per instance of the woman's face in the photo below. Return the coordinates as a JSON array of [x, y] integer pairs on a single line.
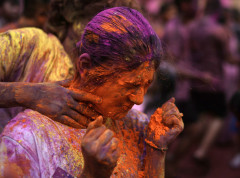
[[120, 93]]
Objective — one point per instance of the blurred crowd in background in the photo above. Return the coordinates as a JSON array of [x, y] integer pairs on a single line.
[[201, 43]]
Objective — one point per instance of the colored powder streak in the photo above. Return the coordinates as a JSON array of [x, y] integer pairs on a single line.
[[155, 126], [109, 27], [91, 37], [129, 161], [17, 123]]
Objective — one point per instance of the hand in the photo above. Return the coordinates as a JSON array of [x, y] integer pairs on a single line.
[[57, 102], [162, 131], [100, 150]]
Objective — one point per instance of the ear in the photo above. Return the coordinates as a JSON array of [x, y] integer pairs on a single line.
[[84, 64]]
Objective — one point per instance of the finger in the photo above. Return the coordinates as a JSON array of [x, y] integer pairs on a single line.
[[105, 138], [83, 109], [115, 155], [177, 129], [176, 125], [114, 144], [95, 124], [171, 100], [82, 120], [80, 95], [170, 121], [64, 83], [69, 122], [181, 124], [177, 115], [107, 152], [94, 134], [168, 106], [171, 111], [113, 158]]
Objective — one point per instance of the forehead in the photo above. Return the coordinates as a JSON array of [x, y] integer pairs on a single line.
[[142, 74]]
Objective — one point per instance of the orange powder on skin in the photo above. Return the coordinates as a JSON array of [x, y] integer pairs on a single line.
[[155, 126], [129, 162]]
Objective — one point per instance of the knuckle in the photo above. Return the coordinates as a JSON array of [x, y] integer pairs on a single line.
[[109, 132], [115, 140], [104, 127], [101, 157], [91, 125]]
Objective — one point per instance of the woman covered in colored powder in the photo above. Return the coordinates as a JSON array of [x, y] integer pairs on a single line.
[[118, 55], [30, 59]]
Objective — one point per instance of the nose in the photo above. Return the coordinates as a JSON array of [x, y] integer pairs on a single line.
[[138, 96]]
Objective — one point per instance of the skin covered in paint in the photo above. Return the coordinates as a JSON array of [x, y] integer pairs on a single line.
[[98, 145], [123, 91], [59, 104], [172, 119]]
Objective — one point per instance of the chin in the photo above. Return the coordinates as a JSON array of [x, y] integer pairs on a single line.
[[115, 115]]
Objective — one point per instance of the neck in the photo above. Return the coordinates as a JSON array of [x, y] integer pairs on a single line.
[[111, 124]]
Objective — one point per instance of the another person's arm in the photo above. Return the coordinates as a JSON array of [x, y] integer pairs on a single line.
[[51, 99], [30, 55]]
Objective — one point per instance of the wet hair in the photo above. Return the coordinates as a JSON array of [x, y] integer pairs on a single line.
[[64, 13], [119, 39], [31, 6]]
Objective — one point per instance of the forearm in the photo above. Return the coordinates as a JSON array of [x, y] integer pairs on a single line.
[[14, 94], [155, 163], [7, 94]]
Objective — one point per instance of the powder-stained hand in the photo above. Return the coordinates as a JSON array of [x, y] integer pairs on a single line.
[[57, 102], [165, 125], [100, 150]]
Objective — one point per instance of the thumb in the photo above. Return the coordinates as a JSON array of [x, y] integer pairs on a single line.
[[96, 123]]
